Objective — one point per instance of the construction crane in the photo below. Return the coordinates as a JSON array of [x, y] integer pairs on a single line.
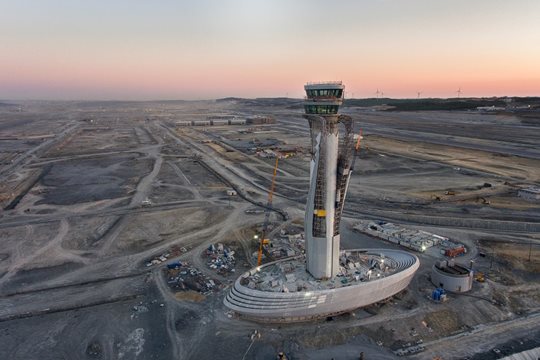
[[265, 241], [357, 148]]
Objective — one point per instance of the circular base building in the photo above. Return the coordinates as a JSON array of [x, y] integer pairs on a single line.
[[448, 275], [283, 291]]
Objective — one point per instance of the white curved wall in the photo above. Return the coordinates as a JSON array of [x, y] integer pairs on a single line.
[[286, 307]]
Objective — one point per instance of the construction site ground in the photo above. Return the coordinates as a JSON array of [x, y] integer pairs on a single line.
[[92, 193]]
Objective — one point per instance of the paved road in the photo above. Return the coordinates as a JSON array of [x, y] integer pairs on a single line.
[[517, 149], [481, 339]]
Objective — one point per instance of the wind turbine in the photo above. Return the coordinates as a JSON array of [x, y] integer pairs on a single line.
[[459, 92], [377, 92], [418, 93]]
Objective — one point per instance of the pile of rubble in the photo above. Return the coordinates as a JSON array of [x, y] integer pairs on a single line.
[[287, 245], [221, 258], [175, 251], [284, 246], [182, 276], [158, 259]]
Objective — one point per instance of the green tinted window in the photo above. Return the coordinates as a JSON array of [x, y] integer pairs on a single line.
[[321, 109]]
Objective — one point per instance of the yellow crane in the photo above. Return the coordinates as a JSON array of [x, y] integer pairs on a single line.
[[265, 241], [360, 137], [356, 149]]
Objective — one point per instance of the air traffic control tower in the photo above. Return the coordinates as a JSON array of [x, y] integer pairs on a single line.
[[282, 290], [332, 143]]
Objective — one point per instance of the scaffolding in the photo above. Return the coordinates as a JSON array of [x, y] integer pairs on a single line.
[[345, 154], [319, 213]]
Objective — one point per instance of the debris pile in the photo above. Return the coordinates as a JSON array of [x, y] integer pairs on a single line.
[[182, 276], [289, 243], [158, 259], [177, 250], [174, 251], [221, 258]]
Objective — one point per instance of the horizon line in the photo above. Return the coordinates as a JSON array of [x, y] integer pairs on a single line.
[[266, 97]]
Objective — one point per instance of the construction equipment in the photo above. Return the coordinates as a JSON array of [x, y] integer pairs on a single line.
[[357, 148], [479, 276], [457, 251], [264, 240]]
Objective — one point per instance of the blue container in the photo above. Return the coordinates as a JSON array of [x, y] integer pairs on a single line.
[[174, 265], [441, 291]]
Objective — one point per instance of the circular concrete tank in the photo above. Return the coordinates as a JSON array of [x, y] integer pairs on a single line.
[[451, 276]]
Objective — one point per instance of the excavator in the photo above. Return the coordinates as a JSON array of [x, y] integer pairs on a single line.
[[480, 277]]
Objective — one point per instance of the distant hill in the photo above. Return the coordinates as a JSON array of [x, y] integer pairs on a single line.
[[289, 103], [229, 99], [390, 104], [441, 104]]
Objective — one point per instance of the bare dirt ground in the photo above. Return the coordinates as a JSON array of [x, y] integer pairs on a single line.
[[520, 256], [92, 192], [500, 164]]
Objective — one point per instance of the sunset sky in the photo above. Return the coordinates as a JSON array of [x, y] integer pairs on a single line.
[[202, 49]]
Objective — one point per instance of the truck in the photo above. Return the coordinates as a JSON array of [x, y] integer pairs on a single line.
[[457, 251]]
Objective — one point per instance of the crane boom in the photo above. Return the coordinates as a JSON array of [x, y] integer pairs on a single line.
[[356, 149], [267, 214]]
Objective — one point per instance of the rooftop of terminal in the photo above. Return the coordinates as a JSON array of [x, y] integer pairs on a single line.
[[291, 276]]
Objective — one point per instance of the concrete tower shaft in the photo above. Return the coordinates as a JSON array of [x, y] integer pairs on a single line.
[[330, 169]]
